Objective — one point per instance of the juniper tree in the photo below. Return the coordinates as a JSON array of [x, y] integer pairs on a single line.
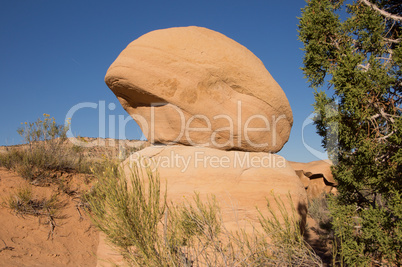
[[355, 49]]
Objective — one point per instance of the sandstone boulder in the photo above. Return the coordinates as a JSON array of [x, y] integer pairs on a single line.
[[316, 177], [195, 86]]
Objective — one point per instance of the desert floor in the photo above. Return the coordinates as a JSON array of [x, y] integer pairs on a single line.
[[26, 240]]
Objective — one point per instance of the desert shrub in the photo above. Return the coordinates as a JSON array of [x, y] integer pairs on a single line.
[[10, 158], [285, 231], [128, 213], [46, 151], [318, 210], [148, 231], [42, 130]]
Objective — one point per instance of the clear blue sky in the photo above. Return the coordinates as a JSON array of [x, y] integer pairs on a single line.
[[54, 55]]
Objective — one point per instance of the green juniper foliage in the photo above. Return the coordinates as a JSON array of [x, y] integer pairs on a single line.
[[355, 48]]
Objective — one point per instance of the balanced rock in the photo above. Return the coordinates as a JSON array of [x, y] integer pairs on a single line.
[[194, 86]]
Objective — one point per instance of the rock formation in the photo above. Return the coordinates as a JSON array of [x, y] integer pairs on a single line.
[[316, 177], [195, 86], [217, 111], [241, 181]]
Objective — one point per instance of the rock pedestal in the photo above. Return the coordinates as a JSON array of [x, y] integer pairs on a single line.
[[241, 181]]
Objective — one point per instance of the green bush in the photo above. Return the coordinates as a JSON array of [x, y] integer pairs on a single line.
[[364, 236], [148, 231]]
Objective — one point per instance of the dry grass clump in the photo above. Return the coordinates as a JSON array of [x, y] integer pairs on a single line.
[[148, 231], [23, 202], [286, 232], [42, 160], [326, 244], [318, 210]]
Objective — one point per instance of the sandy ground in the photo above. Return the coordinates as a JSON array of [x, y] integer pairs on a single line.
[[25, 240]]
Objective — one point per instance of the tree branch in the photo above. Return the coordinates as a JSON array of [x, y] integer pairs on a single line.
[[335, 42], [386, 136], [386, 115], [374, 116], [364, 68], [382, 12], [395, 41]]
